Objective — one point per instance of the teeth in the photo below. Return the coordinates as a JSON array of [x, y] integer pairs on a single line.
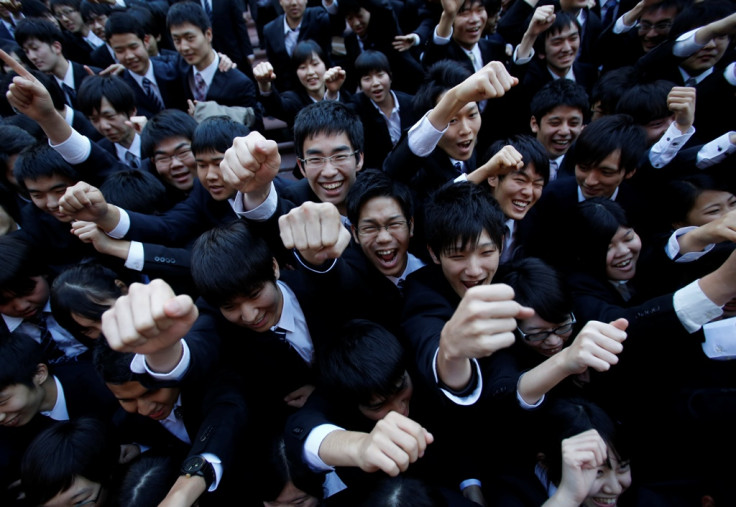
[[332, 186], [623, 264], [385, 253], [605, 501], [520, 204]]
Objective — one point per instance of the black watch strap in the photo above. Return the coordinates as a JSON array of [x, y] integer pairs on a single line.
[[197, 465]]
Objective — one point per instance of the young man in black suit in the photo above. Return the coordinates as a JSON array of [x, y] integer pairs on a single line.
[[69, 15], [229, 32]]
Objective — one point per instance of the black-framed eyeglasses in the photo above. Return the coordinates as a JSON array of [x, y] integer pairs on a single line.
[[182, 154], [543, 335], [662, 26], [338, 159], [368, 231]]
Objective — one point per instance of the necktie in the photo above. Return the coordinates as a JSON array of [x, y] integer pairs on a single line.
[[71, 95], [207, 9], [132, 160], [610, 7], [692, 82], [50, 349], [553, 169], [459, 167], [474, 61], [200, 87], [148, 89]]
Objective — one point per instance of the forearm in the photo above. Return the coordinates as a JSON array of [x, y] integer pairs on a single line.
[[720, 285], [541, 379], [525, 46], [110, 219], [339, 448], [634, 14], [444, 27], [725, 26], [55, 127], [185, 491], [454, 372], [445, 110]]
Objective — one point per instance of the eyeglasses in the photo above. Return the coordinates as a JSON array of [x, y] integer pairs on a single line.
[[369, 231], [182, 154], [543, 335], [339, 160], [662, 26]]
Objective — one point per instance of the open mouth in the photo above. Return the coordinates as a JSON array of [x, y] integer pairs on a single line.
[[387, 257], [332, 186], [607, 502], [472, 283], [623, 264], [521, 205]]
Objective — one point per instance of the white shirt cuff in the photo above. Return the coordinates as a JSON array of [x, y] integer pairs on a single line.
[[730, 73], [310, 454], [620, 26], [260, 213], [308, 267], [524, 404], [417, 39], [216, 466], [423, 137], [522, 61], [470, 482], [75, 149], [715, 151], [666, 148], [136, 256], [686, 45], [466, 400], [331, 9], [673, 247], [693, 307], [123, 226], [441, 41], [139, 365]]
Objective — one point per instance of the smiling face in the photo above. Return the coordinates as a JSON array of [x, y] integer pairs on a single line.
[[560, 49], [383, 233], [710, 205], [378, 407], [654, 26], [258, 311], [469, 24], [611, 481], [193, 45], [210, 175], [46, 191], [622, 254], [330, 180], [517, 192], [470, 266], [377, 85], [19, 403], [558, 129], [603, 179], [459, 139], [550, 345], [175, 162], [706, 57], [311, 74], [131, 51], [112, 124], [135, 398]]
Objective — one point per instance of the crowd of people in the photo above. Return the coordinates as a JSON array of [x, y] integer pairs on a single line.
[[500, 272]]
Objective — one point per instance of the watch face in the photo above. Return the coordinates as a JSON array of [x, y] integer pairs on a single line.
[[194, 464]]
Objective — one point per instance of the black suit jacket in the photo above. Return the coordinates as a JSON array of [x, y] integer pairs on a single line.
[[101, 57], [168, 81], [81, 124], [490, 51], [229, 33]]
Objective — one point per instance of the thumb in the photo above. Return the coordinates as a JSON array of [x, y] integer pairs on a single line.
[[621, 324], [180, 306], [525, 312]]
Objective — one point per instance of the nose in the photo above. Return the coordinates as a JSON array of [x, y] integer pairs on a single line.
[[213, 172], [464, 126], [591, 179], [248, 313], [553, 340], [564, 128], [473, 267], [611, 484], [145, 408], [566, 46], [383, 235], [52, 202], [710, 45], [175, 162], [375, 81], [401, 406]]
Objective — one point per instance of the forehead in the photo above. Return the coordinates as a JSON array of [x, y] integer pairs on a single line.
[[105, 106], [483, 239], [46, 183], [186, 29], [378, 207], [13, 390], [472, 4], [563, 112], [310, 58], [128, 390], [529, 171], [327, 143], [34, 42], [565, 31], [209, 155], [171, 144], [123, 39], [659, 14]]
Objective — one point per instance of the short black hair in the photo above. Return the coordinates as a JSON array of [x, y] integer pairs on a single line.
[[13, 140], [646, 102], [371, 61], [216, 134], [606, 135], [538, 286], [372, 183], [559, 92], [135, 190], [461, 211], [20, 263], [95, 88], [165, 125], [328, 117], [89, 9], [42, 161], [562, 20], [531, 150], [700, 14], [148, 480], [278, 470], [348, 7], [74, 4], [222, 270], [610, 87], [83, 447], [20, 356], [680, 194], [112, 366], [37, 28], [121, 23], [188, 12], [401, 490], [597, 221], [364, 361], [83, 289], [304, 50], [440, 77]]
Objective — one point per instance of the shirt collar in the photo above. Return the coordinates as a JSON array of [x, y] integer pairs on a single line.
[[581, 197], [135, 148], [288, 29], [396, 104], [412, 264], [59, 412], [209, 72], [286, 321], [698, 78]]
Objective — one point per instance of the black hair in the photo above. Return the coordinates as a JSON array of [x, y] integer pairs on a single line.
[[348, 7], [19, 264], [13, 140], [598, 219], [37, 28], [364, 361], [700, 14], [531, 150], [152, 18], [665, 4], [20, 356], [24, 122], [372, 183], [216, 134], [562, 20], [556, 93], [403, 491], [538, 286], [148, 480], [42, 161], [187, 12], [279, 471], [89, 9], [74, 4], [567, 417], [610, 87], [461, 212], [165, 125], [10, 47], [304, 50], [112, 366], [47, 80], [646, 102], [35, 9], [371, 61], [83, 289], [95, 88], [681, 194], [230, 261], [328, 117], [606, 135], [135, 190], [440, 77], [82, 447], [121, 23]]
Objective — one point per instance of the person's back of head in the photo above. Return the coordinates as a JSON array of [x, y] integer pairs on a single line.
[[24, 122], [20, 357], [556, 93], [539, 286], [166, 125], [121, 23], [20, 266], [148, 480], [330, 118], [36, 28], [112, 366], [279, 474], [135, 190], [216, 134], [187, 12], [608, 90], [13, 140], [113, 89], [440, 77], [403, 492], [372, 183], [602, 137], [80, 452], [221, 271]]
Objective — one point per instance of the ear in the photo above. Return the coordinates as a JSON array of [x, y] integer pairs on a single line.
[[56, 47], [533, 125], [208, 34], [493, 181], [629, 174], [134, 113], [146, 41], [411, 227], [41, 375], [359, 162], [121, 285], [435, 258], [301, 167], [276, 272], [355, 233]]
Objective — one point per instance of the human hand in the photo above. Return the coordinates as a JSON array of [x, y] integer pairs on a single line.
[[26, 93], [681, 101], [84, 202], [507, 160], [403, 42], [137, 123], [264, 76], [299, 397], [492, 81], [128, 452], [596, 346], [226, 63], [116, 69], [316, 231], [582, 454], [334, 79], [191, 107], [542, 19], [251, 164]]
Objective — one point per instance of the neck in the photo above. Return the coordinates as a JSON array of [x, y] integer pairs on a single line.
[[50, 394], [205, 62], [387, 104], [559, 72], [127, 141], [317, 94], [293, 23], [61, 68], [145, 71]]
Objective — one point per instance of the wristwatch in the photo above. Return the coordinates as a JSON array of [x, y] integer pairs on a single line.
[[197, 465]]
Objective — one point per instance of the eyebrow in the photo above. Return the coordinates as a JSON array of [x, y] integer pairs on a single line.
[[389, 219], [317, 151], [55, 187], [180, 145]]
